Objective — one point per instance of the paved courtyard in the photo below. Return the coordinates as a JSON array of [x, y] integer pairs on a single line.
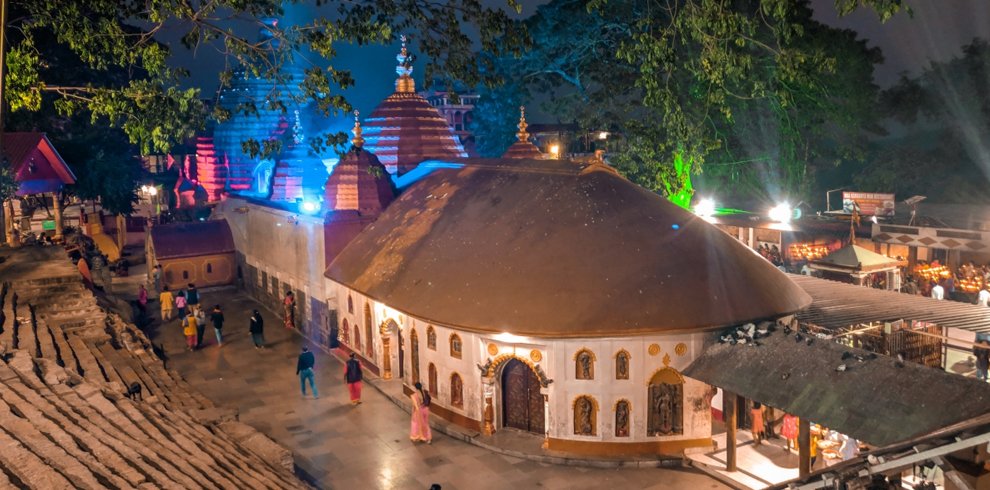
[[337, 445]]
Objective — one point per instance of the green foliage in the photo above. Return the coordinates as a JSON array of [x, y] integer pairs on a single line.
[[110, 37], [8, 186], [496, 118]]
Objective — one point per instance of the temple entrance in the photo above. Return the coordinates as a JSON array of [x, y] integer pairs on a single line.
[[522, 403]]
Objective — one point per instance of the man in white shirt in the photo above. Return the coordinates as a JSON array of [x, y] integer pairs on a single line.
[[983, 298], [938, 292]]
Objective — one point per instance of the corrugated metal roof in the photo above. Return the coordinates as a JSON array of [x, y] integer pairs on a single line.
[[875, 400], [192, 239], [837, 305]]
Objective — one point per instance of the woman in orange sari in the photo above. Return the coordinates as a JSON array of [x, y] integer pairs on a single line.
[[419, 426]]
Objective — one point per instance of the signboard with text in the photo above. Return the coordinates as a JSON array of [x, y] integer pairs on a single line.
[[870, 203]]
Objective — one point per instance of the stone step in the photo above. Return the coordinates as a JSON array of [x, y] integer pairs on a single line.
[[65, 352], [90, 368], [46, 343], [24, 331], [169, 461], [109, 372], [8, 318], [172, 430], [28, 469], [49, 450], [52, 418]]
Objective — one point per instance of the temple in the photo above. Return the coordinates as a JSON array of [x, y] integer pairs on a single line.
[[493, 282]]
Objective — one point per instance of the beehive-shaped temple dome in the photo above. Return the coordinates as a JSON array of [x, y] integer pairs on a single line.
[[523, 148], [359, 182], [405, 129]]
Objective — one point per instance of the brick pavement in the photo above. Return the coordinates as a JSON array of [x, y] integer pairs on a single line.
[[337, 445]]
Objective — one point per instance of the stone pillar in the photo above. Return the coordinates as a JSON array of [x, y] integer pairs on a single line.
[[488, 388], [546, 418], [752, 239], [804, 447], [8, 220], [912, 257], [121, 232], [730, 430], [57, 208]]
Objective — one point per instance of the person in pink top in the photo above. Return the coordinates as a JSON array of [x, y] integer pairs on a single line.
[[419, 427], [142, 298]]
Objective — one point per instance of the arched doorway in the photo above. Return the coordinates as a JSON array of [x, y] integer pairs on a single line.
[[522, 403]]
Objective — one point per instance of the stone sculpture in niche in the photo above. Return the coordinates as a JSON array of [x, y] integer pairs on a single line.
[[622, 365], [583, 415], [622, 419], [666, 409], [584, 366]]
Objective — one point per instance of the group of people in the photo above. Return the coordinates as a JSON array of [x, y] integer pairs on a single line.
[[192, 316], [771, 253], [844, 447]]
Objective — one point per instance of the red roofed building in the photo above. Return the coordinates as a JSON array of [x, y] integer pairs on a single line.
[[199, 252], [38, 170]]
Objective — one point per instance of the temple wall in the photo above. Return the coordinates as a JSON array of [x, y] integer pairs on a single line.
[[483, 356], [279, 250]]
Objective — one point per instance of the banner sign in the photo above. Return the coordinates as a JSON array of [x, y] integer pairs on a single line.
[[870, 203]]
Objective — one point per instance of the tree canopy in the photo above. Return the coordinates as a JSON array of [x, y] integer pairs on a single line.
[[945, 113], [756, 93], [150, 105]]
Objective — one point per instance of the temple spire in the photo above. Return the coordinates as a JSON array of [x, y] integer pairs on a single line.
[[522, 134], [357, 141], [405, 82]]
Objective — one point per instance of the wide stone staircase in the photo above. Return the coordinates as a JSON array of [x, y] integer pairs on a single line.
[[66, 422]]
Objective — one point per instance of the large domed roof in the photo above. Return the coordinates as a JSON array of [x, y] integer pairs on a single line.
[[552, 248], [405, 129]]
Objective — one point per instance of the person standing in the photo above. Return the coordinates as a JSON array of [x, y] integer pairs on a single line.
[[180, 304], [419, 425], [156, 277], [289, 307], [257, 330], [217, 319], [938, 292], [982, 352], [757, 425], [353, 376], [304, 368], [142, 299], [192, 296], [200, 326], [789, 429], [167, 304], [189, 330]]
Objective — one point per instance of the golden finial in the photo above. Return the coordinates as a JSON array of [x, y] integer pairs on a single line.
[[357, 140], [404, 69], [522, 134]]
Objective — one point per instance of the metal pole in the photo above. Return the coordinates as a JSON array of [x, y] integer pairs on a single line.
[[730, 430], [804, 447]]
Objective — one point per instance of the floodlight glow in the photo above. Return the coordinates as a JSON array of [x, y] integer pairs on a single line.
[[310, 206], [555, 150], [781, 212], [152, 190], [602, 135], [705, 208]]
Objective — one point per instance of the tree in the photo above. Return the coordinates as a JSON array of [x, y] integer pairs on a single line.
[[946, 113], [151, 106], [687, 81]]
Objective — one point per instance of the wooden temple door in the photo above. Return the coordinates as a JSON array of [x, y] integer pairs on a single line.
[[522, 403]]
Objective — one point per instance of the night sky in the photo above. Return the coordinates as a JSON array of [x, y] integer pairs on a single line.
[[936, 32]]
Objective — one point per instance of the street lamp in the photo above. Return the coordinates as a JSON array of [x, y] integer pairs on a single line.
[[705, 208], [555, 150]]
